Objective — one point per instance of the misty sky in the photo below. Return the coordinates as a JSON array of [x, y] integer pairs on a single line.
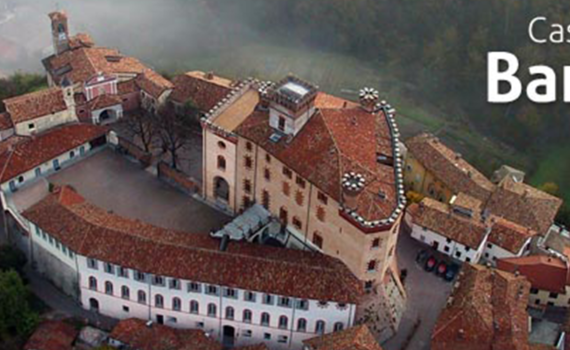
[[158, 32]]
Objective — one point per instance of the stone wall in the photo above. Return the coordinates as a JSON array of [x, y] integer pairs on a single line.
[[56, 271], [134, 151], [178, 178]]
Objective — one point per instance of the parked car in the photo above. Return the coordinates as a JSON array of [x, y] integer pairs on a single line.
[[451, 272], [441, 269], [430, 264], [422, 256]]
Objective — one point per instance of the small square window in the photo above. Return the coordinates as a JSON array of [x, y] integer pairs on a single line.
[[247, 333], [323, 198], [267, 336], [126, 308], [300, 182]]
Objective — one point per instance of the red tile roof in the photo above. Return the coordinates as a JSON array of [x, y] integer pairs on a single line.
[[5, 121], [260, 346], [524, 204], [153, 83], [52, 335], [449, 167], [440, 218], [93, 232], [127, 87], [543, 272], [486, 310], [35, 104], [104, 101], [137, 335], [81, 40], [508, 235], [81, 64], [355, 338], [36, 150], [204, 92], [333, 142]]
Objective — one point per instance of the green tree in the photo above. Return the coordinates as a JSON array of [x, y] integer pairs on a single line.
[[11, 258], [549, 187], [16, 317]]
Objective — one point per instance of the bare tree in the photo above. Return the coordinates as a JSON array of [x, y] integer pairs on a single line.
[[142, 125], [172, 129]]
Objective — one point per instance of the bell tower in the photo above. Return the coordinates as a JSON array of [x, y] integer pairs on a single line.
[[59, 31]]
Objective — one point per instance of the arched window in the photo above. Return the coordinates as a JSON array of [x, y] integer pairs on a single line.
[[176, 304], [141, 297], [247, 316], [109, 288], [212, 310], [320, 327], [338, 326], [92, 283], [265, 319], [125, 292], [159, 301], [229, 313], [221, 163], [194, 307], [283, 322], [301, 325]]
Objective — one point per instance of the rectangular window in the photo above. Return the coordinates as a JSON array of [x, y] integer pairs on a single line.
[[247, 333], [533, 291], [287, 172], [266, 336], [140, 276], [268, 299], [553, 295], [158, 280], [323, 198], [247, 186], [281, 125], [92, 263], [249, 296], [174, 284], [230, 293], [284, 302], [300, 182], [211, 290], [267, 174], [109, 268], [194, 287], [282, 339], [318, 240], [123, 272], [303, 304]]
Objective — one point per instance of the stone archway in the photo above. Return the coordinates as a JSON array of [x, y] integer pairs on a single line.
[[221, 189]]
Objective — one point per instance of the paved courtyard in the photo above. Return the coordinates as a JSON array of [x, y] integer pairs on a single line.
[[113, 182], [427, 295]]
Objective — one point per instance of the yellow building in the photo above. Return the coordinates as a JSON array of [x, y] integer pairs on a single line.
[[436, 171], [328, 169]]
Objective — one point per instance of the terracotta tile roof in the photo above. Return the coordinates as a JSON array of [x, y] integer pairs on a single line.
[[137, 335], [486, 310], [36, 150], [204, 92], [35, 104], [325, 100], [355, 338], [454, 171], [52, 335], [508, 235], [543, 272], [441, 218], [10, 142], [127, 87], [153, 83], [524, 204], [81, 40], [82, 64], [95, 233], [333, 142], [5, 121], [104, 101]]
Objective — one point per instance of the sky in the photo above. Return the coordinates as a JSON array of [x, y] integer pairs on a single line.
[[148, 29]]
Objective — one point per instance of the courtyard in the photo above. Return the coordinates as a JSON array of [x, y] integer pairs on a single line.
[[118, 184]]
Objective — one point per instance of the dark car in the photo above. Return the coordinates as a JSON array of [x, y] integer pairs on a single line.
[[451, 272], [422, 256], [441, 269], [430, 264]]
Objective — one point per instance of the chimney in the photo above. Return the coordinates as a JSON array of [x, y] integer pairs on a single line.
[[368, 99], [352, 185], [209, 75], [224, 242]]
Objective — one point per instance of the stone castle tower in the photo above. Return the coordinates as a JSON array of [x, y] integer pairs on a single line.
[[59, 31]]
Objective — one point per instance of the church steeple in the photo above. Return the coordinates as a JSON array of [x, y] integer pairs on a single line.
[[59, 31]]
